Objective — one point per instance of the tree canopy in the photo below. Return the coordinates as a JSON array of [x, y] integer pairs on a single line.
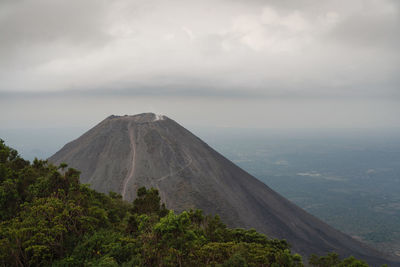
[[48, 218]]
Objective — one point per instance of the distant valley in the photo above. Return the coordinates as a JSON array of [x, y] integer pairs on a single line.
[[348, 178]]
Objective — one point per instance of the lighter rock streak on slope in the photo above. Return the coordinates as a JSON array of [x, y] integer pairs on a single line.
[[131, 173]]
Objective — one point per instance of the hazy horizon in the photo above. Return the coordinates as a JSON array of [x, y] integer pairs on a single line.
[[42, 142]]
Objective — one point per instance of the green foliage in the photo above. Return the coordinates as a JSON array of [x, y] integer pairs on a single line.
[[47, 218], [333, 260], [148, 202]]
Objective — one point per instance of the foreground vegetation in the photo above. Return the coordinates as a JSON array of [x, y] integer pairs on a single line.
[[47, 218]]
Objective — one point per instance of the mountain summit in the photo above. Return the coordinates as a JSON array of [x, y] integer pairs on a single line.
[[123, 153]]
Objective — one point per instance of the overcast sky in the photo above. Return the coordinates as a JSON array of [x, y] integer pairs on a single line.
[[242, 63]]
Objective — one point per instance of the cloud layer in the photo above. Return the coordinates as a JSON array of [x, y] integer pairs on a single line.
[[262, 46], [287, 49]]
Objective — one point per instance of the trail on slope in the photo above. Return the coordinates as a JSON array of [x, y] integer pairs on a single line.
[[178, 171], [131, 172], [171, 173]]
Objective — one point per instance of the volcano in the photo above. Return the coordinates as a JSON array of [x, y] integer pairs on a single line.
[[123, 153]]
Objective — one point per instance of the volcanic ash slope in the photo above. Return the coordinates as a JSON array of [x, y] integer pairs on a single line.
[[123, 153]]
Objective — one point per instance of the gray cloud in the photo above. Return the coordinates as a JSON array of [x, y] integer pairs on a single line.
[[24, 22], [33, 32], [368, 30], [226, 49]]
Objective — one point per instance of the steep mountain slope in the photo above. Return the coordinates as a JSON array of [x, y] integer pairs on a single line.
[[123, 153]]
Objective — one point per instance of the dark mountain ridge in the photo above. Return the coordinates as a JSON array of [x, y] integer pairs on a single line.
[[123, 153]]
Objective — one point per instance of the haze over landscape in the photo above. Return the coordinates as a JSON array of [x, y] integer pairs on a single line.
[[304, 95]]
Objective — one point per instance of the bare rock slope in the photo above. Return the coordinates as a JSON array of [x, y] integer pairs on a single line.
[[123, 153]]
